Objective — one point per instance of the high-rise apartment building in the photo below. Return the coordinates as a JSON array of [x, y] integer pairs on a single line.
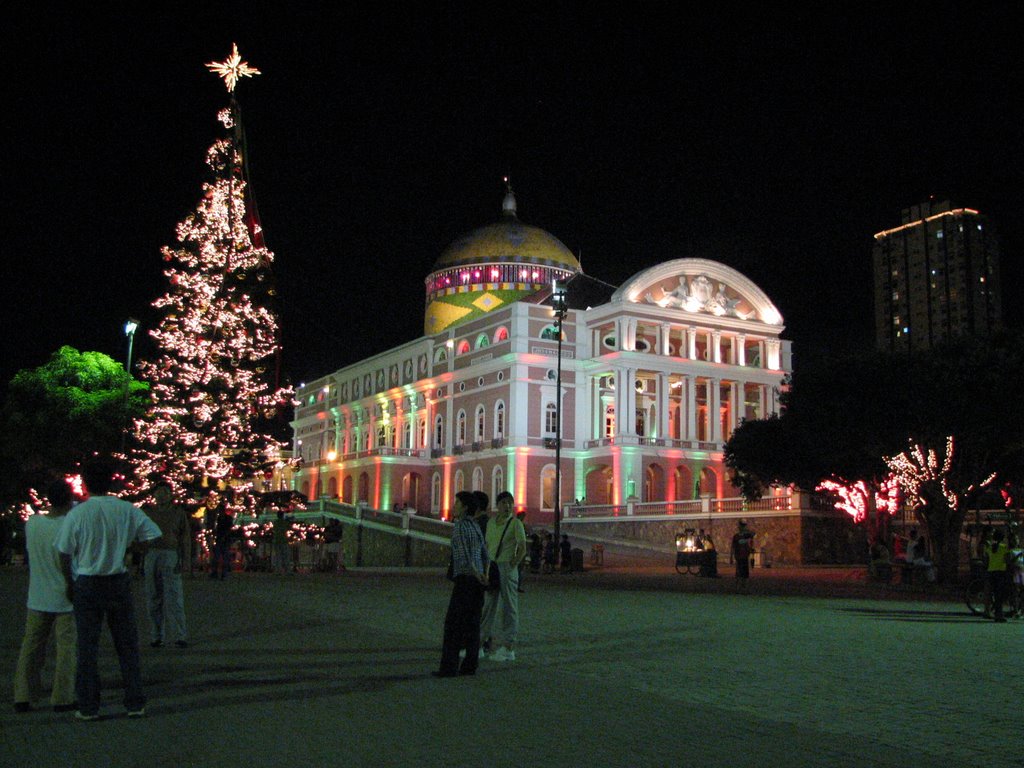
[[936, 277]]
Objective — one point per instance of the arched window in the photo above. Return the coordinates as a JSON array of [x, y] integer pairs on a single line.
[[478, 479], [439, 431], [460, 481], [440, 355], [435, 493], [482, 341], [497, 482], [550, 419], [462, 348], [499, 419], [422, 442], [550, 333], [547, 487], [460, 428], [501, 335], [382, 436], [609, 421], [479, 424]]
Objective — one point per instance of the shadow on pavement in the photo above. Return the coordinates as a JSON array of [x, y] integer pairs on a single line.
[[909, 614]]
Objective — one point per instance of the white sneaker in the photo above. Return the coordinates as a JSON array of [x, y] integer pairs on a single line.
[[503, 654]]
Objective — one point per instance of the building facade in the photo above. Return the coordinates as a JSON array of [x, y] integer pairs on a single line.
[[936, 277], [654, 380]]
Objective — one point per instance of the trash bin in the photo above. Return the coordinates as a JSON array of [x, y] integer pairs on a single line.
[[708, 563], [577, 560]]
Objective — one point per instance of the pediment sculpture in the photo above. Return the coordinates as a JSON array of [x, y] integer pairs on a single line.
[[698, 294]]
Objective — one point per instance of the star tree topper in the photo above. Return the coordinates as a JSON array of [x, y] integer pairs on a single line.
[[233, 68]]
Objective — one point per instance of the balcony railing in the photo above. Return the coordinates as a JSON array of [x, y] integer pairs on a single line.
[[654, 442], [706, 507]]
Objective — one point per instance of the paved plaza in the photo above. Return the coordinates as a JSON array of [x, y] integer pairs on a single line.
[[619, 666]]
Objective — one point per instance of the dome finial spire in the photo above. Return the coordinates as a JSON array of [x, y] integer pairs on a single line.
[[508, 205]]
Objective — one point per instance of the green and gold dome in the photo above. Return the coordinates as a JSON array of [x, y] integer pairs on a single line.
[[491, 267]]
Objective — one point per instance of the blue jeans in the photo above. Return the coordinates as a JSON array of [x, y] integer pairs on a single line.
[[96, 597]]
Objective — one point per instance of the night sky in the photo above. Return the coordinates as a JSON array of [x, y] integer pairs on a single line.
[[776, 141]]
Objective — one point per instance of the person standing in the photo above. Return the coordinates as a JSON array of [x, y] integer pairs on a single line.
[[565, 553], [282, 555], [97, 534], [506, 547], [49, 609], [165, 597], [220, 562], [742, 549], [483, 502], [998, 572], [333, 534], [521, 517], [469, 572]]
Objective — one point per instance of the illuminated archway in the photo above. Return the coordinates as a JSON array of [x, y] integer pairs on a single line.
[[599, 484], [708, 482], [654, 483], [685, 489]]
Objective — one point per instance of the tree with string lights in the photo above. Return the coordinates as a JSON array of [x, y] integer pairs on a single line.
[[211, 393], [939, 489]]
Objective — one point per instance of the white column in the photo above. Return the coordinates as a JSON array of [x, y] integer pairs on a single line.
[[741, 350], [690, 406], [737, 402], [630, 397], [716, 346], [715, 410], [666, 336], [691, 343], [663, 391], [620, 400], [772, 352]]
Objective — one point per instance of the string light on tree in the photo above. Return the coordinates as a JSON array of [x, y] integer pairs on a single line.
[[211, 401], [921, 475], [854, 498]]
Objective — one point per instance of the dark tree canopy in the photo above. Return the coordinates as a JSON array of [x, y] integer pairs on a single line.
[[843, 415], [55, 415]]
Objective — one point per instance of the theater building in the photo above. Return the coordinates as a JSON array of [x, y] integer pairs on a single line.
[[655, 377]]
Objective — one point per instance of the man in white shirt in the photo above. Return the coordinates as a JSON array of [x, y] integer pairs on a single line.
[[97, 534], [49, 609]]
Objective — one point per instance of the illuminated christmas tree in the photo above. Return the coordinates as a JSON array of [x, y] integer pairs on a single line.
[[212, 396]]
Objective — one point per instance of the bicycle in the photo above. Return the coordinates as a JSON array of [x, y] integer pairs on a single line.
[[978, 597]]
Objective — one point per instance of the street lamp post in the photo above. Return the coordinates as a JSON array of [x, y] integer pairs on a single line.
[[130, 327], [561, 307]]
